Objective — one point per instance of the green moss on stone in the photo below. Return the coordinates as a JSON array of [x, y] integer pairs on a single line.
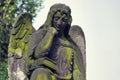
[[19, 52]]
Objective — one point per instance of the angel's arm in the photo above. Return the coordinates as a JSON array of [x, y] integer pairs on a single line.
[[45, 44], [43, 62]]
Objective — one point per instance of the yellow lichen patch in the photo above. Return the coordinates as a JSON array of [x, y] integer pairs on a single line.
[[49, 39], [26, 49], [53, 30], [42, 76], [49, 64], [46, 45], [21, 45], [58, 14], [66, 42], [77, 75], [12, 42], [53, 77], [11, 51], [23, 33], [30, 61], [18, 51], [76, 69], [15, 30], [69, 53]]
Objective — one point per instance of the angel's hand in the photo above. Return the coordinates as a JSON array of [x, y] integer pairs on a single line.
[[54, 31], [46, 43]]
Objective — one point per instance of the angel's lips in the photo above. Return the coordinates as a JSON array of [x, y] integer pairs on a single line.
[[57, 28]]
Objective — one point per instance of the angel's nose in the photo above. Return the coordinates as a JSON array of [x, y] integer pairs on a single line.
[[59, 22]]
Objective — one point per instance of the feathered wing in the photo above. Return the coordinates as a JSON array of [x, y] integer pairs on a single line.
[[19, 38], [18, 46], [77, 35]]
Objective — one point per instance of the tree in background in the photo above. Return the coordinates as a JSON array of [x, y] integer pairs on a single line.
[[9, 9]]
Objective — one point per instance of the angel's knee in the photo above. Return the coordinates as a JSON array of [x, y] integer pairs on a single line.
[[40, 74]]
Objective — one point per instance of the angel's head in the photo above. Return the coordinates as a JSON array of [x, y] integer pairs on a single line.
[[59, 17]]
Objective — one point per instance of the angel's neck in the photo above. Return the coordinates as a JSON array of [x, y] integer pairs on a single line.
[[60, 34]]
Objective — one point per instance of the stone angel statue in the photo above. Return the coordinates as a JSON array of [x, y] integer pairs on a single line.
[[56, 51]]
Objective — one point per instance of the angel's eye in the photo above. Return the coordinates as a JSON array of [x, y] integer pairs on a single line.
[[56, 18], [64, 19]]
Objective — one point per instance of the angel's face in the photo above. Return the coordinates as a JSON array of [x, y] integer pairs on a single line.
[[60, 21]]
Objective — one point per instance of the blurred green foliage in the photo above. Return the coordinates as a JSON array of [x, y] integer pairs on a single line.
[[3, 70], [9, 9]]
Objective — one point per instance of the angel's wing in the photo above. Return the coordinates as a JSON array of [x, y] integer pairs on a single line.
[[20, 33], [77, 35]]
